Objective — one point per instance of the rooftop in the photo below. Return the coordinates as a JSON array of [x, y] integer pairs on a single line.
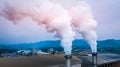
[[101, 58]]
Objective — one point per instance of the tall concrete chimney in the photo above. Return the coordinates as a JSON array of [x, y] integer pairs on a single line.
[[94, 59], [68, 60]]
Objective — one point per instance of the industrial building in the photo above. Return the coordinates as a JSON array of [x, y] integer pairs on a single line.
[[103, 60]]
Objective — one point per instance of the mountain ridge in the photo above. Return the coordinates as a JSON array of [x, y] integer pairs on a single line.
[[104, 45]]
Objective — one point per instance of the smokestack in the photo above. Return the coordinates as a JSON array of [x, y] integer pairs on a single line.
[[94, 59], [68, 60]]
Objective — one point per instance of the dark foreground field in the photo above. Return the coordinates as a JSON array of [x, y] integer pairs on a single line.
[[34, 61]]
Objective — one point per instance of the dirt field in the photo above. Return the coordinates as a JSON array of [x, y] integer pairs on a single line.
[[34, 61]]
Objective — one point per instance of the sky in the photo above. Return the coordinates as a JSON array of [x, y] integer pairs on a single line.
[[106, 12]]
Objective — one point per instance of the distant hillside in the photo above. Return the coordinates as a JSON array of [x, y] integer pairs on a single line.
[[110, 45], [105, 45]]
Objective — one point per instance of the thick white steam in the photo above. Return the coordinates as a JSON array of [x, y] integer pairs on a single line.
[[57, 15]]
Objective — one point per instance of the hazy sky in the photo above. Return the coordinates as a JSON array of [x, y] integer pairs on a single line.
[[106, 12]]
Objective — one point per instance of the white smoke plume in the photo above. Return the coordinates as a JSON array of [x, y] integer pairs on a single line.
[[58, 16]]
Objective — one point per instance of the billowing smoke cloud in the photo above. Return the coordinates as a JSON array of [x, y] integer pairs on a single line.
[[58, 16]]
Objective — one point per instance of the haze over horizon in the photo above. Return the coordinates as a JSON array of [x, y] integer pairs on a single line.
[[106, 12]]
